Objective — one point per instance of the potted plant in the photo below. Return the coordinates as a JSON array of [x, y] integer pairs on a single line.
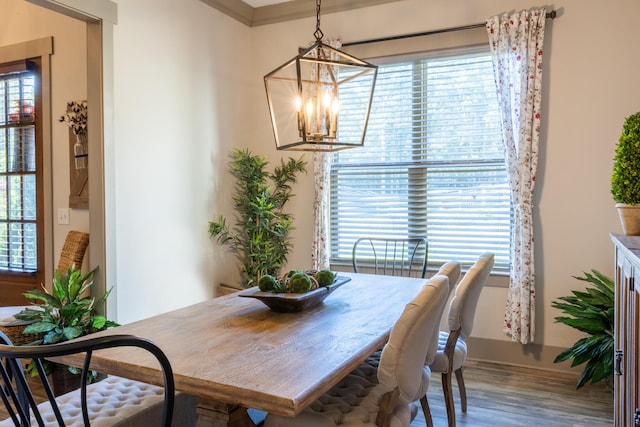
[[260, 236], [591, 312], [625, 180], [61, 315]]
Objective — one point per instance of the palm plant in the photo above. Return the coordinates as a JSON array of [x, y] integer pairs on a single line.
[[260, 236], [591, 312]]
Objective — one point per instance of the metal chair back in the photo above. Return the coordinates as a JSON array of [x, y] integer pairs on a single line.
[[17, 393], [390, 256]]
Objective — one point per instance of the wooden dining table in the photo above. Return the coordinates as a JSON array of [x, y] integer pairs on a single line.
[[234, 353]]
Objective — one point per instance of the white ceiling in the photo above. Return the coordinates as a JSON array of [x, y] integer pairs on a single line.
[[260, 3]]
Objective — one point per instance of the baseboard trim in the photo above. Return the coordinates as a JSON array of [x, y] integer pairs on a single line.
[[513, 353]]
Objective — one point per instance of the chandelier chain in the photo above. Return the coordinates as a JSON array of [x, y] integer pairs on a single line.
[[318, 33]]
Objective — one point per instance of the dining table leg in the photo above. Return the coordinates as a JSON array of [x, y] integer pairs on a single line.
[[217, 414]]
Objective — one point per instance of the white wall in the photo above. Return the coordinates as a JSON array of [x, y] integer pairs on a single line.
[[181, 69]]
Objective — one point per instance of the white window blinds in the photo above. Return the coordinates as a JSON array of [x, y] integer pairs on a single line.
[[432, 164], [18, 207]]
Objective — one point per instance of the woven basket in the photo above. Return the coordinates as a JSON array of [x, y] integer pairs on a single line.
[[17, 337], [13, 328], [73, 250]]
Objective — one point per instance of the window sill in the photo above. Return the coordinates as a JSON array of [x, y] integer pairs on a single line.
[[495, 280]]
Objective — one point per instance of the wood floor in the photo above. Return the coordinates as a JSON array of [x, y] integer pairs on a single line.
[[501, 396]]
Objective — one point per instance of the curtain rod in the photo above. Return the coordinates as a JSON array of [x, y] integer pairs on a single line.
[[549, 15]]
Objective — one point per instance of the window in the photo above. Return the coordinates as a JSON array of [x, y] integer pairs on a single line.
[[432, 165], [20, 160]]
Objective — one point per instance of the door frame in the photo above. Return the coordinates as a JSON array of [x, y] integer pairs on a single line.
[[100, 17]]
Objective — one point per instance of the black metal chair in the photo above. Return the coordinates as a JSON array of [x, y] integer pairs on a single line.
[[17, 394], [389, 256]]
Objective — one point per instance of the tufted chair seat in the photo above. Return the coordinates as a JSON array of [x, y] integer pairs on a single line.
[[384, 389], [441, 364], [113, 401], [118, 402], [353, 401]]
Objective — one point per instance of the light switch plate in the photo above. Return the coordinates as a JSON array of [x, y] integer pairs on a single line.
[[63, 216]]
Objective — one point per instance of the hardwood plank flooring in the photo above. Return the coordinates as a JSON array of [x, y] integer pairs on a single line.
[[507, 396]]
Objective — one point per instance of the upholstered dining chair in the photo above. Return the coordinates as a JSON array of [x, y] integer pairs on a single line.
[[391, 256], [384, 393], [73, 250], [114, 401], [452, 346], [452, 270]]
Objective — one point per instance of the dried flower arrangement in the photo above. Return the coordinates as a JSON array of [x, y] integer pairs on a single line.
[[76, 117]]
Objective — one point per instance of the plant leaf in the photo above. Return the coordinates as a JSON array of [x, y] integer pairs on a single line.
[[72, 332], [590, 311], [40, 327]]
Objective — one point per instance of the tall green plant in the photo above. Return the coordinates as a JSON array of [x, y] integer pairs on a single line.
[[591, 312], [625, 180], [260, 236]]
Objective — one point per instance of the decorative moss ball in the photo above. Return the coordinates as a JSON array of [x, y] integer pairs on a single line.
[[299, 283], [292, 272], [268, 283], [325, 277]]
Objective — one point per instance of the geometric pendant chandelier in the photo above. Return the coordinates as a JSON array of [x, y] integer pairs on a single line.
[[309, 93]]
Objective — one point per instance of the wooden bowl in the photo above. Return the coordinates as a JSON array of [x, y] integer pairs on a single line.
[[289, 302]]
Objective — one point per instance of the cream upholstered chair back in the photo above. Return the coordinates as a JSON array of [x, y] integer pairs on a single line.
[[452, 270], [462, 309], [73, 250], [413, 337], [452, 349]]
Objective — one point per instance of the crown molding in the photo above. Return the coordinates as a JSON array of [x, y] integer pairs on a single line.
[[236, 9], [84, 10], [287, 11]]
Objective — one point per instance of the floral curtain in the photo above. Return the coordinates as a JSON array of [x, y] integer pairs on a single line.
[[516, 42], [321, 172]]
